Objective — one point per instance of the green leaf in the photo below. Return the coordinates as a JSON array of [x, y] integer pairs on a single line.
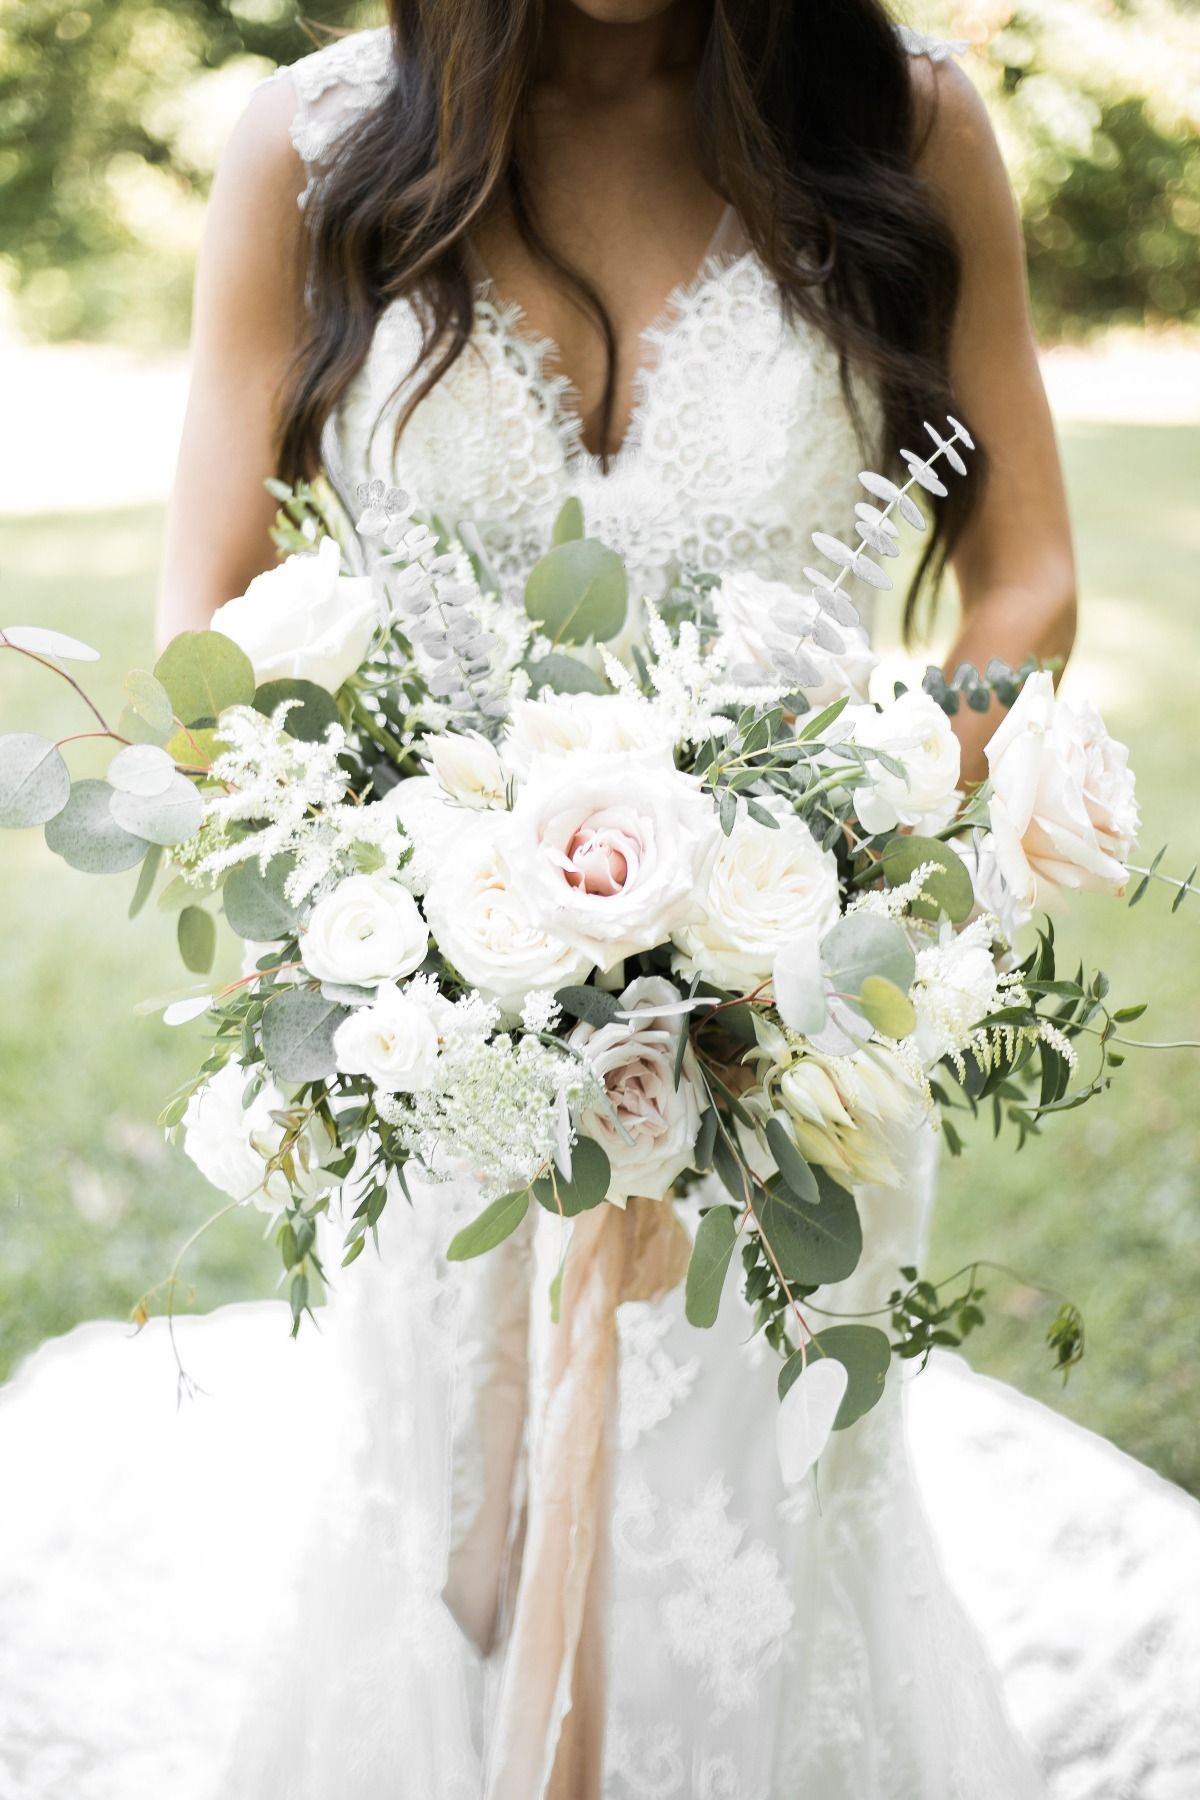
[[793, 1170], [35, 782], [203, 672], [145, 880], [180, 892], [86, 835], [255, 903], [167, 818], [813, 1244], [148, 717], [493, 1225], [569, 523], [949, 889], [307, 722], [820, 721], [709, 1265], [197, 936], [595, 1006], [890, 1012], [865, 1354], [587, 1187], [195, 749], [566, 675], [297, 1035], [578, 592], [863, 944]]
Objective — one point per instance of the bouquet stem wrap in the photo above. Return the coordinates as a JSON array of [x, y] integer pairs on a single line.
[[549, 1727]]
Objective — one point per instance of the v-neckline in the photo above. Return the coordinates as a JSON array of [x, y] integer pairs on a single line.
[[727, 246]]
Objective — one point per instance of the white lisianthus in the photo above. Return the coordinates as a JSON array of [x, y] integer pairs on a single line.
[[854, 1115], [558, 724], [467, 768], [394, 1042], [648, 1129], [1063, 811], [609, 852], [914, 731], [956, 986], [304, 619], [483, 926], [756, 618], [765, 888], [368, 930], [231, 1145]]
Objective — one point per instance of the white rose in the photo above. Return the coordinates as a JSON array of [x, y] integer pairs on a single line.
[[1063, 812], [467, 768], [304, 619], [854, 1115], [756, 618], [231, 1145], [650, 1132], [394, 1042], [914, 731], [368, 930], [765, 889], [562, 723], [431, 824], [483, 926], [609, 851]]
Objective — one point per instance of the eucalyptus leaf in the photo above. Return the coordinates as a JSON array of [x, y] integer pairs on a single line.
[[949, 888], [195, 749], [578, 592], [709, 1265], [145, 880], [891, 1013], [807, 1416], [149, 704], [167, 818], [86, 835], [863, 944], [493, 1225], [203, 672], [196, 933], [569, 523], [812, 1244], [794, 1172], [565, 675], [595, 1006], [586, 1187], [141, 769], [310, 719], [297, 1035], [255, 903], [865, 1354], [42, 641], [35, 782]]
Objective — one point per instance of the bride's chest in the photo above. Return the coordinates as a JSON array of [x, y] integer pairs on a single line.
[[740, 441]]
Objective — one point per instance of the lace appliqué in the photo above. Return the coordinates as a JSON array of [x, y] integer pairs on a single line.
[[652, 1384], [335, 87]]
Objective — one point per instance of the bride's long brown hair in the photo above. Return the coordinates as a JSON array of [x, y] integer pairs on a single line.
[[805, 122]]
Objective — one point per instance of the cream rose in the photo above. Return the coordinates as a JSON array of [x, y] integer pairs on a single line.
[[394, 1042], [483, 925], [562, 723], [368, 930], [304, 619], [765, 889], [757, 618], [648, 1129], [609, 852], [231, 1145], [1063, 812], [916, 733]]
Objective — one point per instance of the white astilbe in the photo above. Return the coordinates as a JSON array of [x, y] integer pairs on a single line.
[[891, 903], [956, 985], [690, 685], [296, 793]]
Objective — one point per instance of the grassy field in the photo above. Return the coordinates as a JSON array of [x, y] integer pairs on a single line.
[[1106, 1207]]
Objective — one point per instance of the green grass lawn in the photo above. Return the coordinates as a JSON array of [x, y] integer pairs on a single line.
[[1106, 1207]]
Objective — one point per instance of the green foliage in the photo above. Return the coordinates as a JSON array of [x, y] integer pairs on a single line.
[[255, 904], [314, 711], [583, 1189], [949, 887], [709, 1265], [864, 1353], [297, 1034], [85, 834], [203, 673], [35, 782], [494, 1224], [578, 592]]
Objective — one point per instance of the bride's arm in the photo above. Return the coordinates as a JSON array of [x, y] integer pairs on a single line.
[[1014, 565], [245, 324]]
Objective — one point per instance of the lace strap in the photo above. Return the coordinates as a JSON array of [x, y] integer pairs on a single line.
[[334, 87], [925, 43]]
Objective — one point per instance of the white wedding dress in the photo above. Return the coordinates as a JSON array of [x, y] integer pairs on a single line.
[[254, 1598]]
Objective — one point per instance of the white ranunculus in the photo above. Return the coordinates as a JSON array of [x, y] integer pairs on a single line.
[[609, 852], [467, 767], [914, 731], [1063, 811], [367, 930], [394, 1042], [562, 723], [648, 1130], [765, 889], [304, 619], [483, 926], [756, 617], [231, 1145], [854, 1115]]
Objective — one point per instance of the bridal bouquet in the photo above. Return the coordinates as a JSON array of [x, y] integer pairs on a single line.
[[584, 900]]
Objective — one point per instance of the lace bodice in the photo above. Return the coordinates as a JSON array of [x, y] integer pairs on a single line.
[[741, 442]]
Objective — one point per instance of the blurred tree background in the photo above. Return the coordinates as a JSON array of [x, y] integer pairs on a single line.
[[112, 117]]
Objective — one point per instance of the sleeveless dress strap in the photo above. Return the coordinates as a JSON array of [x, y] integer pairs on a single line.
[[334, 88], [925, 43]]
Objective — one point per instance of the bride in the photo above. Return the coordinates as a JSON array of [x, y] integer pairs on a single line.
[[694, 262]]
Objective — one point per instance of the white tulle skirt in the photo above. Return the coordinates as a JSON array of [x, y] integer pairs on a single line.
[[247, 1595]]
